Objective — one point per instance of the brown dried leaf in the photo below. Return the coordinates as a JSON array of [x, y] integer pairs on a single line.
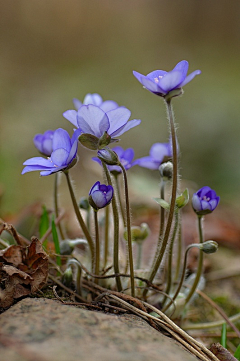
[[221, 353], [12, 254], [29, 275]]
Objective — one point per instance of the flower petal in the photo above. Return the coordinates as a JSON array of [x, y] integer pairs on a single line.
[[159, 150], [148, 83], [182, 66], [147, 162], [77, 103], [32, 168], [196, 203], [190, 77], [128, 155], [171, 81], [71, 115], [108, 105], [92, 120], [94, 188], [59, 157], [117, 119], [99, 199], [94, 99], [38, 161], [131, 124], [73, 152]]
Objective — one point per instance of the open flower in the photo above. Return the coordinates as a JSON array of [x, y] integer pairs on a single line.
[[156, 156], [63, 156], [91, 119], [43, 142], [95, 99], [204, 201], [161, 82], [100, 195], [125, 157]]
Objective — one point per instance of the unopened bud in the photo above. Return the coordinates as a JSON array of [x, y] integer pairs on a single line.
[[67, 277], [108, 156], [166, 171], [67, 246], [139, 234], [209, 246]]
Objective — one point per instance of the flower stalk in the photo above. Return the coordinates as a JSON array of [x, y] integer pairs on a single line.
[[97, 245]]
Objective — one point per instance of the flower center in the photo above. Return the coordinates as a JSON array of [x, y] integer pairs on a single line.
[[158, 78], [205, 198]]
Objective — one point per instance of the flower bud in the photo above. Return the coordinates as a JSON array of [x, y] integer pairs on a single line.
[[209, 246], [67, 277], [104, 140], [139, 234], [183, 199], [100, 195], [84, 204], [108, 156], [166, 171], [204, 201], [67, 246]]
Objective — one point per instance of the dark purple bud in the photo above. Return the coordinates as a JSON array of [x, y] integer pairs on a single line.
[[100, 195], [204, 201]]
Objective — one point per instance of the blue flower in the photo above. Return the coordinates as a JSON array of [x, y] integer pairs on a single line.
[[91, 119], [100, 195], [95, 99], [161, 82], [43, 142], [156, 156], [204, 201], [63, 156], [125, 157]]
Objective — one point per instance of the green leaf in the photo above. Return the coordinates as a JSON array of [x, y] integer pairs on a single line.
[[44, 224], [237, 353], [224, 335], [183, 199], [162, 203], [89, 141], [56, 242]]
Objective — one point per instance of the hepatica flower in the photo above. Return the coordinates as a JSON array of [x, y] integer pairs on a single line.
[[63, 156], [100, 195], [156, 156], [161, 82], [92, 120], [43, 142], [125, 157], [204, 201], [95, 99]]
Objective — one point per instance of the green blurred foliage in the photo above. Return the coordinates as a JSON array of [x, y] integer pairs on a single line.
[[52, 51]]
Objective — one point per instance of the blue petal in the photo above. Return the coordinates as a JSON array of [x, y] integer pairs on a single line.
[[117, 119], [73, 152], [196, 203], [93, 120], [128, 155], [131, 124], [171, 81], [61, 139], [38, 161], [119, 150], [203, 191], [99, 199], [158, 151], [32, 168], [182, 66], [147, 162], [77, 103], [47, 146], [59, 157], [190, 77], [94, 99], [148, 83], [94, 188], [71, 115], [108, 105]]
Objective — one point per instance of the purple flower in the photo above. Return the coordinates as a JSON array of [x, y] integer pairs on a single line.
[[100, 195], [63, 156], [204, 201], [95, 99], [125, 157], [91, 119], [156, 156], [161, 82], [43, 142]]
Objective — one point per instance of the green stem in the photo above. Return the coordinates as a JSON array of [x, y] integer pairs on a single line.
[[80, 219], [179, 247], [106, 238], [116, 231], [200, 263], [97, 246], [170, 252], [181, 280], [116, 178], [56, 203], [129, 233], [162, 213], [173, 195]]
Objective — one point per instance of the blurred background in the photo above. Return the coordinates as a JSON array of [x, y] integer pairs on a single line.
[[53, 51]]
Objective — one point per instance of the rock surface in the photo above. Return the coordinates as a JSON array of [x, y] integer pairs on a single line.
[[46, 330]]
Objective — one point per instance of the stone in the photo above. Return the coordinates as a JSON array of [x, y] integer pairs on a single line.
[[38, 329]]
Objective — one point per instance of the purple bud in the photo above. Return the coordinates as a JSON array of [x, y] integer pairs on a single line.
[[204, 201], [100, 195]]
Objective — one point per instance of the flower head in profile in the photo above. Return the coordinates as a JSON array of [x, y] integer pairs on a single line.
[[125, 158], [95, 123], [43, 142], [157, 153], [95, 99], [100, 195], [63, 156], [204, 201], [161, 82]]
